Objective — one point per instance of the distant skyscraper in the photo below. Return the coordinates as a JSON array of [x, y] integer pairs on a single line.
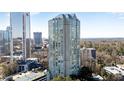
[[20, 23], [5, 37], [37, 39], [64, 45]]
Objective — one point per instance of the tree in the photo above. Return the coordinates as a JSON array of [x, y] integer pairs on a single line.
[[85, 73], [61, 78], [74, 77], [9, 69]]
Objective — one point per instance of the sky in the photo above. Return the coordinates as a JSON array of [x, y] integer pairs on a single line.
[[93, 24]]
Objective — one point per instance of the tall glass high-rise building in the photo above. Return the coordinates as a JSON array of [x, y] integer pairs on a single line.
[[5, 37], [37, 39], [64, 45], [20, 24]]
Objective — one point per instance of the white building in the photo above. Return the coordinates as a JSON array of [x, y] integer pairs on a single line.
[[64, 45], [114, 70], [120, 66]]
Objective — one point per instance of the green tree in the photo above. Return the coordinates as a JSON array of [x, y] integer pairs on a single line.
[[60, 78], [85, 73]]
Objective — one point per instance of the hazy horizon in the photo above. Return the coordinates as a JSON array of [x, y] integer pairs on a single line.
[[93, 24]]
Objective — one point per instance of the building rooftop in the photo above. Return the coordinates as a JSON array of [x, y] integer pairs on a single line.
[[91, 48], [19, 57], [29, 76], [114, 70], [33, 59], [66, 16], [97, 77], [87, 48], [120, 66]]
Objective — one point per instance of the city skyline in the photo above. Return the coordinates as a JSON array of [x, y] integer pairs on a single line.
[[93, 24], [63, 56]]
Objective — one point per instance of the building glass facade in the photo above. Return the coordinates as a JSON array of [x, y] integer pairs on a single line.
[[5, 37], [38, 39], [64, 48], [20, 23]]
